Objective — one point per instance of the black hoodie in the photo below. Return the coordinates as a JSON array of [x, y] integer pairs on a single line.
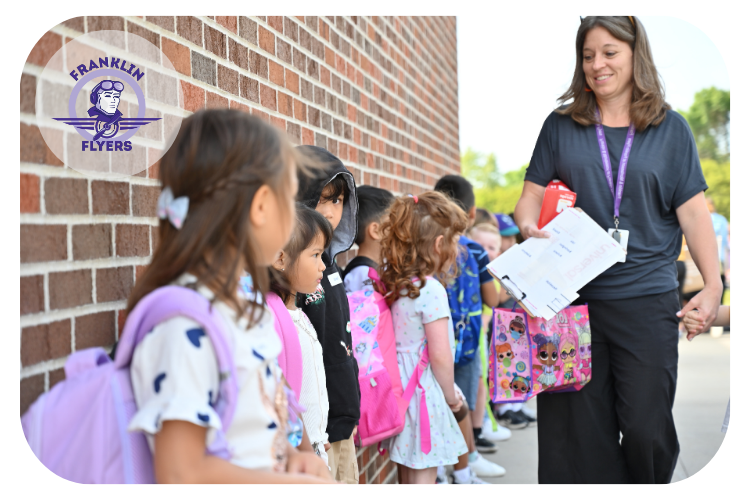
[[329, 311]]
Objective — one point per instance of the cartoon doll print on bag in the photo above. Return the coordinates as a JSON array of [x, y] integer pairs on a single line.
[[520, 385], [568, 357], [547, 354], [584, 349], [503, 351]]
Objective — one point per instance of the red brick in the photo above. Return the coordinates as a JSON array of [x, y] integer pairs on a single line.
[[139, 270], [238, 54], [228, 80], [32, 294], [29, 194], [28, 93], [194, 97], [292, 81], [300, 110], [92, 241], [333, 146], [95, 330], [258, 64], [131, 240], [330, 57], [66, 196], [285, 104], [178, 55], [121, 317], [31, 388], [191, 29], [283, 51], [154, 237], [42, 243], [166, 22], [144, 200], [267, 97], [74, 23], [291, 30], [110, 198], [70, 289], [276, 73], [249, 30], [144, 33], [34, 149], [229, 22], [216, 101], [323, 29], [308, 137], [113, 283], [154, 158], [239, 106], [56, 376], [249, 89], [99, 23], [262, 115], [216, 41], [266, 40], [277, 23], [325, 76], [278, 122], [44, 49], [45, 342]]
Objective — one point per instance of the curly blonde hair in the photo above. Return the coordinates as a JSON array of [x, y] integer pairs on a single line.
[[409, 234]]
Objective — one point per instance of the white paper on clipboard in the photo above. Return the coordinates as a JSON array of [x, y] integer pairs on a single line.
[[545, 274]]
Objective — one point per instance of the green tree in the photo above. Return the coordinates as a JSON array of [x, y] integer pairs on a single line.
[[480, 169], [708, 118], [717, 178], [493, 191]]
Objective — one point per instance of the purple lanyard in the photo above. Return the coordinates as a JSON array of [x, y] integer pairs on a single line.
[[608, 166]]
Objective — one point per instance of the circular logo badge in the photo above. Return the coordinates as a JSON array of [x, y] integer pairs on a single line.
[[109, 103]]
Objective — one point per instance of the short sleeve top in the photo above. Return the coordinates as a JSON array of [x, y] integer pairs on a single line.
[[175, 376], [663, 173], [410, 316]]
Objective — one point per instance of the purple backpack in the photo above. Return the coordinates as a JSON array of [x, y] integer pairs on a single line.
[[78, 430]]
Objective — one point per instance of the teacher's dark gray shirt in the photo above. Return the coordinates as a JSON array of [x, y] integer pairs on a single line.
[[663, 173]]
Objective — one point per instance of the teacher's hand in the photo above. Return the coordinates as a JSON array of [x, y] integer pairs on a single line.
[[531, 231], [707, 303]]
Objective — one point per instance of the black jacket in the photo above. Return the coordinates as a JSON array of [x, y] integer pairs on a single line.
[[329, 312]]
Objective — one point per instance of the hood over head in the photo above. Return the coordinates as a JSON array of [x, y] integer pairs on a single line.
[[310, 189]]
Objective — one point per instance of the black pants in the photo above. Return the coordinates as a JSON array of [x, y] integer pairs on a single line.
[[632, 389]]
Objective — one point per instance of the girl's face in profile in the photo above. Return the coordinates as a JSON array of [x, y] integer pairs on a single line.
[[309, 268]]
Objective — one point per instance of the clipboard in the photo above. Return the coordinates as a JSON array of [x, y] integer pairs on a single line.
[[517, 294]]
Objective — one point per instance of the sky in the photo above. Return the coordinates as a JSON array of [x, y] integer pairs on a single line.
[[509, 79]]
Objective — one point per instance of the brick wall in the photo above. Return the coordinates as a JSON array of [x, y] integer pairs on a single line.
[[381, 93]]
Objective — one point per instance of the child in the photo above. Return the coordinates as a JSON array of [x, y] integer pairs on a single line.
[[227, 206], [373, 205], [332, 193], [472, 255], [508, 231], [695, 327], [419, 241], [301, 267]]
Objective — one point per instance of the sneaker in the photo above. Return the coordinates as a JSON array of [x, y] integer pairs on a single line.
[[501, 434], [474, 479], [528, 412], [531, 419], [513, 420], [483, 445], [484, 468]]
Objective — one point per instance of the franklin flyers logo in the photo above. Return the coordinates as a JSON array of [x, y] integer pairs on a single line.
[[105, 120]]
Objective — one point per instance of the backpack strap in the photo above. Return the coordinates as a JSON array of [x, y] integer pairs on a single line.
[[424, 416], [290, 358], [166, 303]]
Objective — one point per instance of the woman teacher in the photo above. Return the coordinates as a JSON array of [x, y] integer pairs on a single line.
[[634, 165]]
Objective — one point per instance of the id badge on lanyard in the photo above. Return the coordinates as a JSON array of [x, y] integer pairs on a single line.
[[620, 235]]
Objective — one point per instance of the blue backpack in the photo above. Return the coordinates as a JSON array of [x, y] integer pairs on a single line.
[[465, 300]]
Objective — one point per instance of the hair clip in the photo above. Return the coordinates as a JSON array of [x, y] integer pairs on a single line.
[[174, 209], [631, 21], [416, 199]]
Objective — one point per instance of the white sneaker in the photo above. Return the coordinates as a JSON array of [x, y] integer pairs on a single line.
[[474, 479], [442, 477], [501, 434], [483, 467]]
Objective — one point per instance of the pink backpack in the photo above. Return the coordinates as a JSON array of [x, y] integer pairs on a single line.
[[290, 358], [79, 429], [383, 401]]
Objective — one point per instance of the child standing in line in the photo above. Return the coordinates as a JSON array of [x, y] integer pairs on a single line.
[[419, 245], [228, 206], [467, 313], [373, 205], [333, 194], [301, 267]]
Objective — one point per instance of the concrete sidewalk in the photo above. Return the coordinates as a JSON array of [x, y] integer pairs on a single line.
[[700, 404]]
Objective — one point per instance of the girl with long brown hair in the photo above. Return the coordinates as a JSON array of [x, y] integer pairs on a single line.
[[419, 248], [227, 208]]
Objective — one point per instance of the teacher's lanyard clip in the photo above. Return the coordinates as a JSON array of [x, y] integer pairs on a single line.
[[617, 222]]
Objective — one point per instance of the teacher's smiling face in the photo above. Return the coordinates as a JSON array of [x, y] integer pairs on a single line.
[[607, 64]]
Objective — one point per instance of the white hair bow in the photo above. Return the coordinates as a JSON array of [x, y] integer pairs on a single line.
[[173, 209]]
